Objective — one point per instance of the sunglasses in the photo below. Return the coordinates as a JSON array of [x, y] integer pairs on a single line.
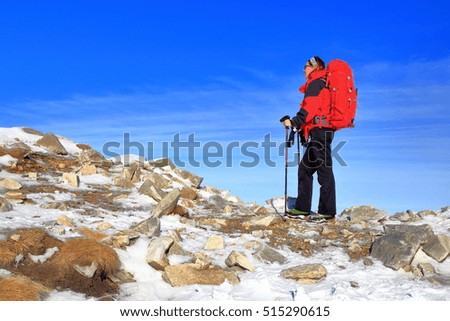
[[311, 63]]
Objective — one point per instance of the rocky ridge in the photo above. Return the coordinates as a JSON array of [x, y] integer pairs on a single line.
[[87, 194]]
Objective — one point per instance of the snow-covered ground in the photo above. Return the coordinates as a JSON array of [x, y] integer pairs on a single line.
[[345, 281]]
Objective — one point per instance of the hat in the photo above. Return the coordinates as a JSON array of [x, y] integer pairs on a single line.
[[313, 61]]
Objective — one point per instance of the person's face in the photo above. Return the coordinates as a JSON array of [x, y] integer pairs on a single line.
[[307, 69]]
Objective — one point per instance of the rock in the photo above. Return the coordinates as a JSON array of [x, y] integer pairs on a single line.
[[354, 284], [150, 189], [132, 173], [228, 209], [438, 247], [260, 210], [5, 205], [189, 193], [260, 221], [188, 203], [426, 268], [211, 189], [355, 251], [52, 143], [239, 259], [156, 252], [192, 178], [218, 201], [87, 271], [266, 254], [167, 204], [122, 182], [150, 227], [399, 245], [180, 210], [176, 249], [121, 277], [33, 176], [426, 213], [65, 221], [417, 272], [364, 213], [20, 145], [244, 210], [56, 206], [262, 233], [306, 273], [32, 131], [201, 261], [103, 226], [158, 180], [175, 234], [120, 240], [404, 217], [10, 184], [186, 274], [16, 197], [215, 242], [163, 162], [71, 179], [14, 154], [346, 233], [87, 169], [92, 157]]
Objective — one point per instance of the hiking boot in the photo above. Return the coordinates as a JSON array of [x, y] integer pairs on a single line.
[[323, 217], [294, 213]]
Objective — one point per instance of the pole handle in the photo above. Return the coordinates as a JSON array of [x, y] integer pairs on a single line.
[[284, 118]]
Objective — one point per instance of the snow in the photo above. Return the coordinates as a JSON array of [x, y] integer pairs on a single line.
[[44, 257], [346, 281]]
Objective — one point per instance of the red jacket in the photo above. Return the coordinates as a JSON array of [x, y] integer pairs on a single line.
[[315, 105]]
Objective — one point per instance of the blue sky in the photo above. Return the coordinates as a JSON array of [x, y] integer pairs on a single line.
[[226, 71]]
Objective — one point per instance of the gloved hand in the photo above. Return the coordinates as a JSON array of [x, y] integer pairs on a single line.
[[287, 123]]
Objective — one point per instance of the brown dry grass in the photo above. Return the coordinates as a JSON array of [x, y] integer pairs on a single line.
[[58, 271], [32, 241], [98, 236], [7, 255], [84, 251], [20, 288]]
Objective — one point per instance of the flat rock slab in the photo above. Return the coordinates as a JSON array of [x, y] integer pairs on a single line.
[[187, 274]]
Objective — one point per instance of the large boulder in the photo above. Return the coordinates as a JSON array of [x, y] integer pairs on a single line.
[[52, 143], [306, 273], [438, 247], [399, 245], [167, 204], [364, 213], [188, 274], [156, 252], [149, 188]]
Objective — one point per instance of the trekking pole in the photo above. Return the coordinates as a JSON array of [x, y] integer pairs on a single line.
[[285, 165]]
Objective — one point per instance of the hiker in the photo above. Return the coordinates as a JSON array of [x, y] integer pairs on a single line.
[[317, 135]]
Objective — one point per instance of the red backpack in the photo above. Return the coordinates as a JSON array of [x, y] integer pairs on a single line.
[[342, 94]]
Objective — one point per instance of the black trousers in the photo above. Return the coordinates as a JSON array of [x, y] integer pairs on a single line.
[[317, 158]]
